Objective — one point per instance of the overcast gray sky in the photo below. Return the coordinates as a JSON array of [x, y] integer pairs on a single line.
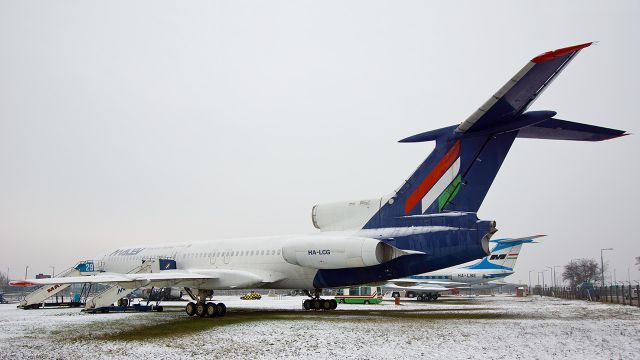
[[152, 121]]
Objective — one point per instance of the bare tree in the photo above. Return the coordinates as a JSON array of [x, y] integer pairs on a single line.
[[4, 281], [580, 271]]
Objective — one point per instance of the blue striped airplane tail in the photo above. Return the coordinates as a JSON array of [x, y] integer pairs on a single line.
[[458, 173], [505, 254]]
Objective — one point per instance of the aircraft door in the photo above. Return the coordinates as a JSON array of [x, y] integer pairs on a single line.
[[227, 255]]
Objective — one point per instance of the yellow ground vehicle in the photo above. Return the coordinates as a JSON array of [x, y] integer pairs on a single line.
[[251, 296]]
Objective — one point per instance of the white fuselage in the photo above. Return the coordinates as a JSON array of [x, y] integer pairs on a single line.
[[261, 257], [276, 262]]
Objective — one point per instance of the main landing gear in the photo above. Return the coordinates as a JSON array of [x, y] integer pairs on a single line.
[[427, 297], [316, 303], [202, 308]]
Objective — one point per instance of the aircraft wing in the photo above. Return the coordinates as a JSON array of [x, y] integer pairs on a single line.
[[425, 287], [166, 278], [124, 280], [521, 90], [405, 282]]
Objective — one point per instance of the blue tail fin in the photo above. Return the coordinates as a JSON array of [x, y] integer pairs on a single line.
[[457, 175], [505, 254]]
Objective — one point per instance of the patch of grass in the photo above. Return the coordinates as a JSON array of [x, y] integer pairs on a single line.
[[186, 326]]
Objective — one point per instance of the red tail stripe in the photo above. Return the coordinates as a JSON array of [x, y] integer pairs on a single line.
[[433, 177], [557, 53]]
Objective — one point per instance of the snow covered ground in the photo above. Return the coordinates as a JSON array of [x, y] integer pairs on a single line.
[[456, 328]]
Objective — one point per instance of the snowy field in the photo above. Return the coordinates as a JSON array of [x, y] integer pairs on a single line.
[[456, 328]]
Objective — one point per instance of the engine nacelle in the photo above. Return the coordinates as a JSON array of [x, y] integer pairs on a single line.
[[338, 252], [345, 215]]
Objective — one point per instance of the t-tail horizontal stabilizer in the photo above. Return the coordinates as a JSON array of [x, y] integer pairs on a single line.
[[555, 129], [522, 240]]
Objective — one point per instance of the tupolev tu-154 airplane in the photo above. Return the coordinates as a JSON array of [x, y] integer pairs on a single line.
[[428, 223]]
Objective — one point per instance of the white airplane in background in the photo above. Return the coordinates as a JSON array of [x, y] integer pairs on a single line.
[[428, 223], [495, 266]]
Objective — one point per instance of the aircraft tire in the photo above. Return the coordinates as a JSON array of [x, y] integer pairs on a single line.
[[201, 309], [317, 304], [211, 309], [190, 308], [326, 305], [334, 304], [419, 297], [221, 309], [306, 304]]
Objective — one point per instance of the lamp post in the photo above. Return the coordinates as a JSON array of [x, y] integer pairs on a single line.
[[530, 279], [53, 271], [555, 274], [26, 269], [551, 275], [602, 263], [541, 289]]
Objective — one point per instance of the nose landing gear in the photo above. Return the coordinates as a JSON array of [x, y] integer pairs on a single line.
[[316, 303]]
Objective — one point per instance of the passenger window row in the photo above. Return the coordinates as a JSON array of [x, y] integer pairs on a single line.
[[270, 252]]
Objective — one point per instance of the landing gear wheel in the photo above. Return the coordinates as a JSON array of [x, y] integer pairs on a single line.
[[334, 304], [201, 309], [221, 309], [317, 304], [190, 308], [326, 304], [306, 304], [419, 297], [211, 309]]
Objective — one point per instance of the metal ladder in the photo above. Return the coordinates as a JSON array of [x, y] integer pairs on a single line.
[[38, 296], [115, 292]]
